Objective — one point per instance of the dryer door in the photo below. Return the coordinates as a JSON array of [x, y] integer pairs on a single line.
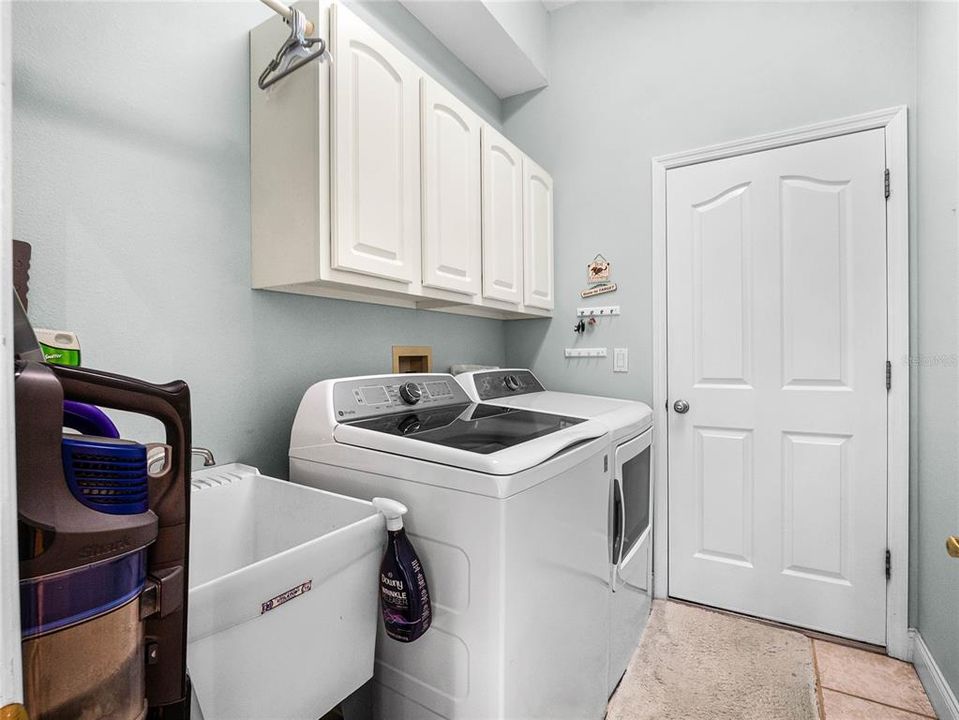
[[632, 478], [632, 545]]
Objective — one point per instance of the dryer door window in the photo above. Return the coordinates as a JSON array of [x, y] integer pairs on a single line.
[[633, 479], [635, 475]]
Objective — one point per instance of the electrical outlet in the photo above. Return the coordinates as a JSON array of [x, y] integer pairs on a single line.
[[621, 360]]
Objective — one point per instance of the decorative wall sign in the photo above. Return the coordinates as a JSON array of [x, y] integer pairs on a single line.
[[598, 290], [597, 270]]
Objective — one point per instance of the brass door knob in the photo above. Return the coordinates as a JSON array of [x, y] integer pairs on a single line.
[[952, 546]]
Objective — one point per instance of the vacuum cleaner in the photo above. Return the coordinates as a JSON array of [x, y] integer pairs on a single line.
[[103, 542]]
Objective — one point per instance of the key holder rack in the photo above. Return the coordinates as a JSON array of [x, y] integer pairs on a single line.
[[604, 311]]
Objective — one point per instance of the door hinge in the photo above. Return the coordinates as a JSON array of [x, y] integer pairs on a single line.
[[888, 375], [888, 564], [886, 176]]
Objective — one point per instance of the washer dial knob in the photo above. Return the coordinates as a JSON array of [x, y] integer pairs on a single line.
[[511, 382], [410, 393]]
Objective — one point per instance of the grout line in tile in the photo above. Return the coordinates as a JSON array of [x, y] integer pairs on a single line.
[[815, 664], [879, 702]]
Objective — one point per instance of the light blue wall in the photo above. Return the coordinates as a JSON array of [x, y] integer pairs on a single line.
[[633, 80], [131, 181], [936, 330]]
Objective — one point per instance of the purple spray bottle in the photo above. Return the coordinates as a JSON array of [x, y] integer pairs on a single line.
[[404, 596]]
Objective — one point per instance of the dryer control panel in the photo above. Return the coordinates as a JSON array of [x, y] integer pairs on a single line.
[[358, 398], [504, 383]]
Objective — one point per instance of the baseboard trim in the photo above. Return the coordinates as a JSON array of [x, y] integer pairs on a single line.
[[941, 696]]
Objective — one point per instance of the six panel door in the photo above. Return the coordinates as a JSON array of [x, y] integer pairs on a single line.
[[537, 236], [451, 191], [376, 158], [502, 218], [777, 339]]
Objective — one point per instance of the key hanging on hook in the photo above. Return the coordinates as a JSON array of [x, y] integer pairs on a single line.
[[580, 327]]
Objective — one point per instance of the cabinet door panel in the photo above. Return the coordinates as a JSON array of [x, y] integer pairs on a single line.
[[537, 236], [375, 154], [451, 191], [502, 219]]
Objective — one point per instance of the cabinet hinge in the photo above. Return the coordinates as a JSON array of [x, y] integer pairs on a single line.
[[888, 375], [888, 564], [887, 183]]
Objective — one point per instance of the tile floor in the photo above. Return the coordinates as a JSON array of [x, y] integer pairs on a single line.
[[861, 685], [855, 684]]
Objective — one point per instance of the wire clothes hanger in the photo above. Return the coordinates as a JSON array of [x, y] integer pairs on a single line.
[[296, 46]]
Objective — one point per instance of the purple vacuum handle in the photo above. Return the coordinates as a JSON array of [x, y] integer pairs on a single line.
[[88, 420]]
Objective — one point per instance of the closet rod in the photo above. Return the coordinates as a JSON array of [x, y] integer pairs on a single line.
[[286, 12]]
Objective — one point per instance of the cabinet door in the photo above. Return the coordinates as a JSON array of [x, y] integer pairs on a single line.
[[502, 218], [376, 204], [537, 236], [451, 191]]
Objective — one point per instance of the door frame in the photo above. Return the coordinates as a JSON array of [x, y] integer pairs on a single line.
[[11, 675], [893, 121]]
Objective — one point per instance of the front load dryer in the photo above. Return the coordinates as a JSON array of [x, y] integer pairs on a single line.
[[630, 538], [509, 514]]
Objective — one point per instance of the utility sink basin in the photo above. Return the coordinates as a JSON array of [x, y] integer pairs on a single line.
[[283, 595]]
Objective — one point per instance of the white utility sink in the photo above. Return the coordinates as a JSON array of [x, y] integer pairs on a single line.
[[283, 595]]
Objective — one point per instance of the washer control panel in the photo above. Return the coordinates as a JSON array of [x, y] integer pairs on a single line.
[[504, 383], [359, 398]]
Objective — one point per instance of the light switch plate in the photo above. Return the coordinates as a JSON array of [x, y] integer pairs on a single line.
[[621, 360]]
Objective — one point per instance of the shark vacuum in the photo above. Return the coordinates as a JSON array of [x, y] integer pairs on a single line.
[[104, 542]]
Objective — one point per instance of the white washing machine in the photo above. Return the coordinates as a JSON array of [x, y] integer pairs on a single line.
[[509, 514], [631, 434]]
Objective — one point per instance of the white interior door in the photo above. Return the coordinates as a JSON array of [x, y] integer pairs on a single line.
[[776, 339]]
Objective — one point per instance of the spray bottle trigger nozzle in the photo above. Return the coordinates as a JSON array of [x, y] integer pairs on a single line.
[[392, 510]]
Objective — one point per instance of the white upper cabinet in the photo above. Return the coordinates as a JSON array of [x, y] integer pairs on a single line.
[[450, 145], [376, 159], [537, 236], [371, 182], [502, 218]]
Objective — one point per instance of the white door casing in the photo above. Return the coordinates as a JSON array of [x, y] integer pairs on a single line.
[[376, 154], [11, 671], [801, 373], [451, 191], [502, 210], [537, 236]]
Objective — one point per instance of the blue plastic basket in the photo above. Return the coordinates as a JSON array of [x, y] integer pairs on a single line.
[[110, 477]]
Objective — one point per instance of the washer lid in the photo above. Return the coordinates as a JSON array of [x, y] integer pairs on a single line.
[[485, 438], [616, 414]]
